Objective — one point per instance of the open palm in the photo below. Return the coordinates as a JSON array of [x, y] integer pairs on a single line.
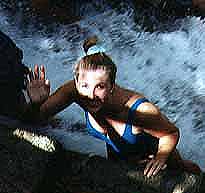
[[38, 87]]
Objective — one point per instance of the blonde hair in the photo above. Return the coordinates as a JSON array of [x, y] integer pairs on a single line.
[[95, 61]]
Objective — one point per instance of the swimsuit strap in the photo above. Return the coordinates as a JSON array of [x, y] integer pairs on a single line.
[[137, 103], [97, 134], [128, 127]]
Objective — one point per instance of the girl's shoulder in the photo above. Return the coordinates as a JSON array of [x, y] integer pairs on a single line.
[[127, 96]]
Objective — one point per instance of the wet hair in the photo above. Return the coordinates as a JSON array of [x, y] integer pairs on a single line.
[[98, 60]]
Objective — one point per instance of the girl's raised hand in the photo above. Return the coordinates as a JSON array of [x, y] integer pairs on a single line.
[[38, 86]]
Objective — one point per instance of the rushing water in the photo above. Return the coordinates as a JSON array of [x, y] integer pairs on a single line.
[[168, 67]]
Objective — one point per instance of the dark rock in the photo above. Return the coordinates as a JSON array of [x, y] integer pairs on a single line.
[[26, 168], [23, 166], [62, 11], [154, 15]]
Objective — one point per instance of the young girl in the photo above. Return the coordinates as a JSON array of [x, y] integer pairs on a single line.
[[133, 128]]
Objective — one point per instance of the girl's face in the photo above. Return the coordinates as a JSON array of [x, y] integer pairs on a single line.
[[95, 86]]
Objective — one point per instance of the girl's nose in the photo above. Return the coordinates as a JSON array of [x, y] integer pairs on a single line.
[[91, 94]]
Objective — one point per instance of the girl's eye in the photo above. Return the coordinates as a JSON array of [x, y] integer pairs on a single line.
[[84, 85], [101, 86]]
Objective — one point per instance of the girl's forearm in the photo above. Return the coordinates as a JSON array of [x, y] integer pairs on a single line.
[[167, 144]]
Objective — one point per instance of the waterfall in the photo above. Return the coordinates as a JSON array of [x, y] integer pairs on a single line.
[[167, 67]]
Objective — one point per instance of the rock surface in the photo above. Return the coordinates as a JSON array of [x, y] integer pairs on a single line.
[[27, 168], [155, 15]]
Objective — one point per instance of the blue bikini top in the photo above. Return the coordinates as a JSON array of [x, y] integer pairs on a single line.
[[128, 143]]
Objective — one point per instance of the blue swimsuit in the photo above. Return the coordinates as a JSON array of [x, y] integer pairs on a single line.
[[129, 144]]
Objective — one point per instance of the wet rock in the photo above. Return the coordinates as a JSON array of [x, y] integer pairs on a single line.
[[23, 165], [62, 11], [26, 168], [154, 15]]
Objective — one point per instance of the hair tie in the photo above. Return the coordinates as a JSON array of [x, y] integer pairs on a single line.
[[95, 49]]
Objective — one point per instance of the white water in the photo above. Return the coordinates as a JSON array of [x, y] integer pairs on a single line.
[[168, 67]]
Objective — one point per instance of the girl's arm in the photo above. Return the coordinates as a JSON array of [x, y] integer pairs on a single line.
[[41, 104], [59, 100], [151, 119]]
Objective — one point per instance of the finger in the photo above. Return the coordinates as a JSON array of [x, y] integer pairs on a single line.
[[148, 166], [47, 83], [28, 78], [36, 72], [47, 87], [156, 170], [30, 75], [42, 73], [164, 167], [153, 169]]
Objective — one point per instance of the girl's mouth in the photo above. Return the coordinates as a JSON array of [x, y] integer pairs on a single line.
[[94, 103]]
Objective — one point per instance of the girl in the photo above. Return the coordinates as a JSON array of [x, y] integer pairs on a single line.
[[133, 128]]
